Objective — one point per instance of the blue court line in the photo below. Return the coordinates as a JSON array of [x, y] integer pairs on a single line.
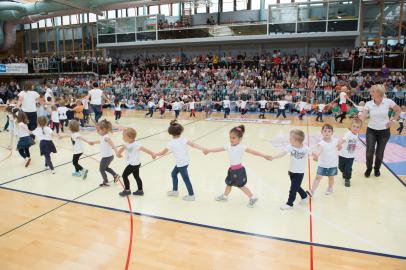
[[387, 167], [212, 227]]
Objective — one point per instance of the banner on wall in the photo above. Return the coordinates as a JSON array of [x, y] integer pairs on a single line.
[[17, 68]]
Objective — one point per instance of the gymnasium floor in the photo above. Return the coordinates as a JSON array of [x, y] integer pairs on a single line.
[[60, 222]]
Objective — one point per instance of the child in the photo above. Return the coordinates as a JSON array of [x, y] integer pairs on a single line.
[[12, 125], [25, 141], [237, 175], [298, 157], [132, 149], [327, 157], [226, 106], [46, 146], [178, 146], [346, 155], [117, 110], [78, 149], [106, 151], [161, 106], [151, 106], [281, 108], [85, 103], [78, 110], [243, 107], [55, 119], [63, 116], [262, 107], [177, 106], [402, 120], [192, 107], [320, 109], [302, 108]]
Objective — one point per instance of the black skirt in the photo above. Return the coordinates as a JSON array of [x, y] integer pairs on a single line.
[[46, 147], [236, 178]]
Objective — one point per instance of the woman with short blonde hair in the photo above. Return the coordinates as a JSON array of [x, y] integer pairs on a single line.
[[379, 124]]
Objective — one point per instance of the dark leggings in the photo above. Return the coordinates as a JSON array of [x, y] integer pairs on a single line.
[[48, 161], [75, 161], [379, 138], [192, 113], [104, 167], [400, 128], [135, 171], [7, 123], [24, 152], [64, 122], [150, 112], [56, 126], [342, 116], [281, 111], [117, 115], [295, 182], [319, 116]]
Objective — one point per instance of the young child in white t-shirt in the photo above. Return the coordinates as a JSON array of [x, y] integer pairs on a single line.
[[262, 107], [327, 156], [132, 150], [44, 135], [346, 155], [236, 175], [178, 146], [297, 167]]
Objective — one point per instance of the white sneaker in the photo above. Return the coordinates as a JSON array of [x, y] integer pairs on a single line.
[[286, 207], [305, 200], [252, 202], [189, 198], [172, 193], [221, 198], [328, 192], [53, 171]]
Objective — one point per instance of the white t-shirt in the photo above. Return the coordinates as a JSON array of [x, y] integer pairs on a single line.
[[62, 113], [178, 146], [282, 104], [43, 134], [192, 105], [343, 98], [176, 106], [302, 105], [235, 153], [85, 103], [378, 114], [349, 145], [262, 104], [48, 93], [329, 154], [151, 104], [132, 154], [21, 130], [55, 116], [321, 107], [118, 107], [298, 158], [78, 147], [161, 103], [29, 103], [105, 148], [96, 96], [226, 103], [243, 104]]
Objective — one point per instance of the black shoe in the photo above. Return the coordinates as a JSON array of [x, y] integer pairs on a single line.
[[368, 173], [138, 193], [124, 193], [377, 173], [347, 183]]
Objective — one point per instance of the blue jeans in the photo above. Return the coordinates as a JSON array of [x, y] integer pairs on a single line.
[[97, 109], [185, 176]]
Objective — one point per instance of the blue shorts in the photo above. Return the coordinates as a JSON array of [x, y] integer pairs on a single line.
[[326, 171]]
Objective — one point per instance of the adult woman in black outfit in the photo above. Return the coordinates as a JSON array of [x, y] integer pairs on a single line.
[[379, 124]]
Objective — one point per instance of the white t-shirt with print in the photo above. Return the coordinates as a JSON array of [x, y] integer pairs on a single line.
[[329, 154], [178, 146], [298, 158], [43, 134], [349, 145], [132, 154], [226, 103], [235, 153], [78, 147], [62, 113]]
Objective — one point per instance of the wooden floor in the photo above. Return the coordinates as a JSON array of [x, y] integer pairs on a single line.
[[38, 231]]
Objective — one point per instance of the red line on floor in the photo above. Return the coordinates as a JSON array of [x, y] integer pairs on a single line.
[[310, 201]]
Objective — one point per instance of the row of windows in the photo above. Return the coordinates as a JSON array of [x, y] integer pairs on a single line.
[[165, 9]]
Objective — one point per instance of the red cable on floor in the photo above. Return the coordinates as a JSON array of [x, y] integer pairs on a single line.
[[310, 201]]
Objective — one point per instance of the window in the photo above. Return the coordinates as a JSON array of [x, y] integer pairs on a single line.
[[255, 5], [57, 21], [131, 12], [92, 17], [201, 8], [241, 5], [269, 2], [141, 11], [41, 23], [111, 14], [83, 18], [228, 5], [27, 26], [285, 1], [175, 9], [66, 20], [153, 10], [102, 17], [165, 9], [74, 19], [34, 25]]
